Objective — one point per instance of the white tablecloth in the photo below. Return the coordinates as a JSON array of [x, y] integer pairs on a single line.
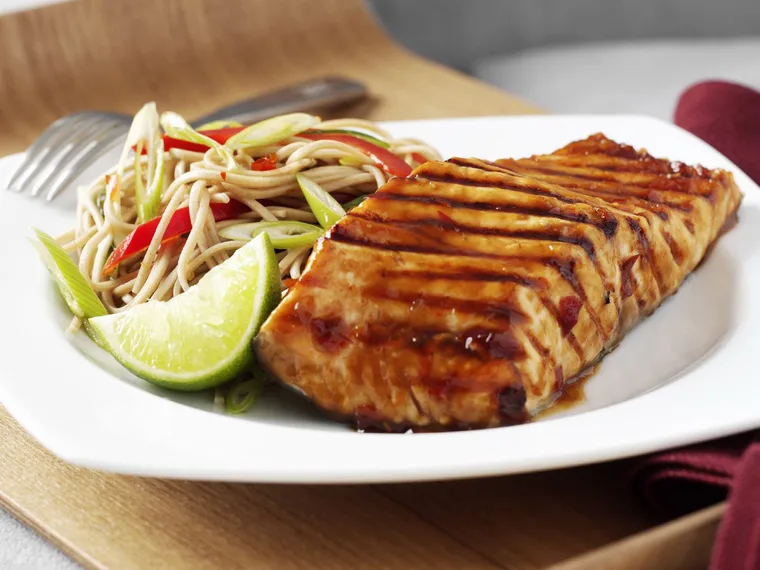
[[23, 549]]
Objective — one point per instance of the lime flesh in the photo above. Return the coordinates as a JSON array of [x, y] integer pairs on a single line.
[[201, 338]]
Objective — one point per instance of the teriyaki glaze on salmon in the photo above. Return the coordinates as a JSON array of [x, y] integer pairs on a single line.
[[469, 294]]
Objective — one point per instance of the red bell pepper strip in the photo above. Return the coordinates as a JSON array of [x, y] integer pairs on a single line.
[[268, 162], [384, 158], [417, 157], [139, 240], [219, 135]]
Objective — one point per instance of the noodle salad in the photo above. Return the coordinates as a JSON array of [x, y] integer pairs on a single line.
[[182, 201]]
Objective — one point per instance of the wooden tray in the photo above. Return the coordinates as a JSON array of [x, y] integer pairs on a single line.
[[195, 55]]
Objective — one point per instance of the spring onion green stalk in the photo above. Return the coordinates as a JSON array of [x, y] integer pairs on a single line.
[[325, 208], [358, 134], [284, 235], [271, 130], [176, 127], [242, 395], [350, 161], [355, 202], [74, 288], [213, 125], [155, 189], [144, 135]]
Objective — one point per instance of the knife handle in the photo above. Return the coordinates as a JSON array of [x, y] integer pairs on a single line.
[[322, 92]]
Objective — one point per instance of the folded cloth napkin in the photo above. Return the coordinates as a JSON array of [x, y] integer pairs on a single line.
[[677, 482], [727, 116], [673, 483]]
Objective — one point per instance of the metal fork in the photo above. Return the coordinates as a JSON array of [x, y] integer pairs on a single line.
[[72, 143]]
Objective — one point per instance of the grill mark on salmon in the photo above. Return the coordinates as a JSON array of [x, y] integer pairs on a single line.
[[652, 202], [641, 189], [446, 178], [564, 268], [450, 225], [499, 310], [606, 224], [475, 342], [544, 352], [537, 285], [675, 249], [646, 251]]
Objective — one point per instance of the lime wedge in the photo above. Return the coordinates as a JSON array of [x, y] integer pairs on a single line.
[[74, 288], [202, 338], [325, 208]]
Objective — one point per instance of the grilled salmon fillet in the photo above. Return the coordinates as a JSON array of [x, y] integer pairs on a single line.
[[470, 293]]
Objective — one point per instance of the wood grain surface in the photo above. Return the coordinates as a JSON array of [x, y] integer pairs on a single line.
[[111, 521], [193, 56]]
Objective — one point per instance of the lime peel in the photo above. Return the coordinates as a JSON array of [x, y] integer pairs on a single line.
[[201, 338]]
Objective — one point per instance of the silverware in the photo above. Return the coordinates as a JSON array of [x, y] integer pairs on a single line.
[[72, 143]]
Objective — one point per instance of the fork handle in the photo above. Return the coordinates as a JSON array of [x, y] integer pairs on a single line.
[[323, 92]]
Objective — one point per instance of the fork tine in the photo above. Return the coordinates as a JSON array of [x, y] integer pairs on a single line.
[[81, 163], [41, 148], [79, 139]]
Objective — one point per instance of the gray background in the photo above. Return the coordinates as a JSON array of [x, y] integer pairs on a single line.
[[459, 32]]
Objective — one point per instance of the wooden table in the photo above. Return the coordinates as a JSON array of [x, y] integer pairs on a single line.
[[192, 56]]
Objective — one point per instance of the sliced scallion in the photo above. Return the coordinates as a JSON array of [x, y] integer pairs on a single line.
[[214, 125], [178, 128], [325, 208], [74, 288], [242, 395], [272, 130], [283, 235], [355, 202], [358, 134]]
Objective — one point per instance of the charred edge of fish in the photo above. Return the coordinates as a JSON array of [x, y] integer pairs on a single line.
[[646, 249], [675, 249], [556, 234], [448, 178], [607, 222]]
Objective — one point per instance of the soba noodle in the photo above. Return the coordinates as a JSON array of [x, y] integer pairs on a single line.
[[196, 180]]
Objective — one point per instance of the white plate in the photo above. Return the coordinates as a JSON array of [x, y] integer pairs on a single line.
[[688, 373]]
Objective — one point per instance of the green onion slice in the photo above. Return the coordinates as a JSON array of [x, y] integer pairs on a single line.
[[178, 128], [358, 134], [74, 288], [355, 202], [351, 161], [271, 130], [283, 235], [325, 208], [214, 125], [242, 395]]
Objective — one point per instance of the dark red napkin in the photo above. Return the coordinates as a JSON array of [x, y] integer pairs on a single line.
[[673, 483]]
